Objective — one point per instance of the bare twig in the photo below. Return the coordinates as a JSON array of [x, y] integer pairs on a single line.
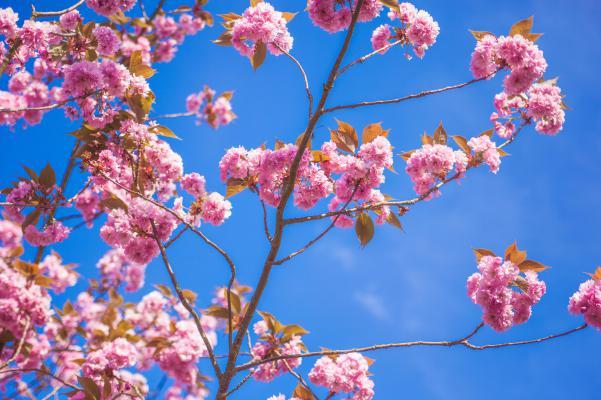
[[19, 344], [305, 78], [287, 189], [43, 372], [239, 385], [39, 14], [409, 97], [265, 224], [175, 115], [361, 60], [459, 342], [48, 107], [185, 302]]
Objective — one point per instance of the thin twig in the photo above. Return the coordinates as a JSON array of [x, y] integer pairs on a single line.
[[459, 342], [175, 115], [48, 107], [239, 385], [19, 345], [38, 14], [361, 60], [287, 189], [185, 302], [265, 224], [44, 372], [305, 78], [409, 97]]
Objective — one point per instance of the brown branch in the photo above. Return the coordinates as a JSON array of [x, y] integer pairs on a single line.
[[175, 115], [398, 203], [287, 189], [409, 97], [361, 60], [19, 345], [185, 302], [305, 78], [239, 385], [157, 10], [318, 237], [48, 107], [265, 224], [63, 188], [176, 237], [44, 372], [38, 14], [451, 343]]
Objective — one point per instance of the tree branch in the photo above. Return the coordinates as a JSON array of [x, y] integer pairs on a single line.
[[361, 60], [459, 342], [185, 302], [409, 97], [305, 78], [38, 14]]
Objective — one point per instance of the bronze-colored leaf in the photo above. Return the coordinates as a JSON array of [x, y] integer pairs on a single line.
[[462, 143], [407, 155], [522, 27], [531, 265], [372, 131], [234, 186], [259, 55], [47, 177], [225, 39], [390, 3], [302, 393], [426, 139], [394, 221], [515, 255], [482, 252], [113, 203], [163, 131], [596, 275], [89, 386], [479, 35], [253, 3], [502, 153], [487, 132], [291, 330], [318, 156], [345, 137], [364, 228], [440, 135], [289, 16]]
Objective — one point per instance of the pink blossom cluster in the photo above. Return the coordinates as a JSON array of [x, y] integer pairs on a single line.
[[486, 150], [115, 268], [216, 110], [587, 302], [418, 29], [88, 204], [10, 236], [261, 24], [263, 349], [52, 233], [334, 15], [21, 299], [61, 276], [431, 164], [523, 58], [347, 373], [115, 355], [110, 7], [502, 306], [171, 33], [24, 91], [359, 174]]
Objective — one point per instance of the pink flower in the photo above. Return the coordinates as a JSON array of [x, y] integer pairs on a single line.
[[194, 184], [110, 7], [430, 164], [10, 235], [491, 289], [53, 233], [215, 209], [333, 16], [268, 371], [108, 41], [261, 23], [485, 148], [8, 22], [546, 107], [70, 20], [347, 373], [380, 37], [587, 302], [62, 276], [88, 204], [422, 32], [483, 62]]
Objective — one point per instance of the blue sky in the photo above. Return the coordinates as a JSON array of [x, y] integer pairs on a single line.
[[403, 286]]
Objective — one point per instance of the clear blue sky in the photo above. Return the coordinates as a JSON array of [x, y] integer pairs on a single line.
[[403, 286]]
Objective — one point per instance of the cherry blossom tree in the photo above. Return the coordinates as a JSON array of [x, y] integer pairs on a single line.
[[98, 72]]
